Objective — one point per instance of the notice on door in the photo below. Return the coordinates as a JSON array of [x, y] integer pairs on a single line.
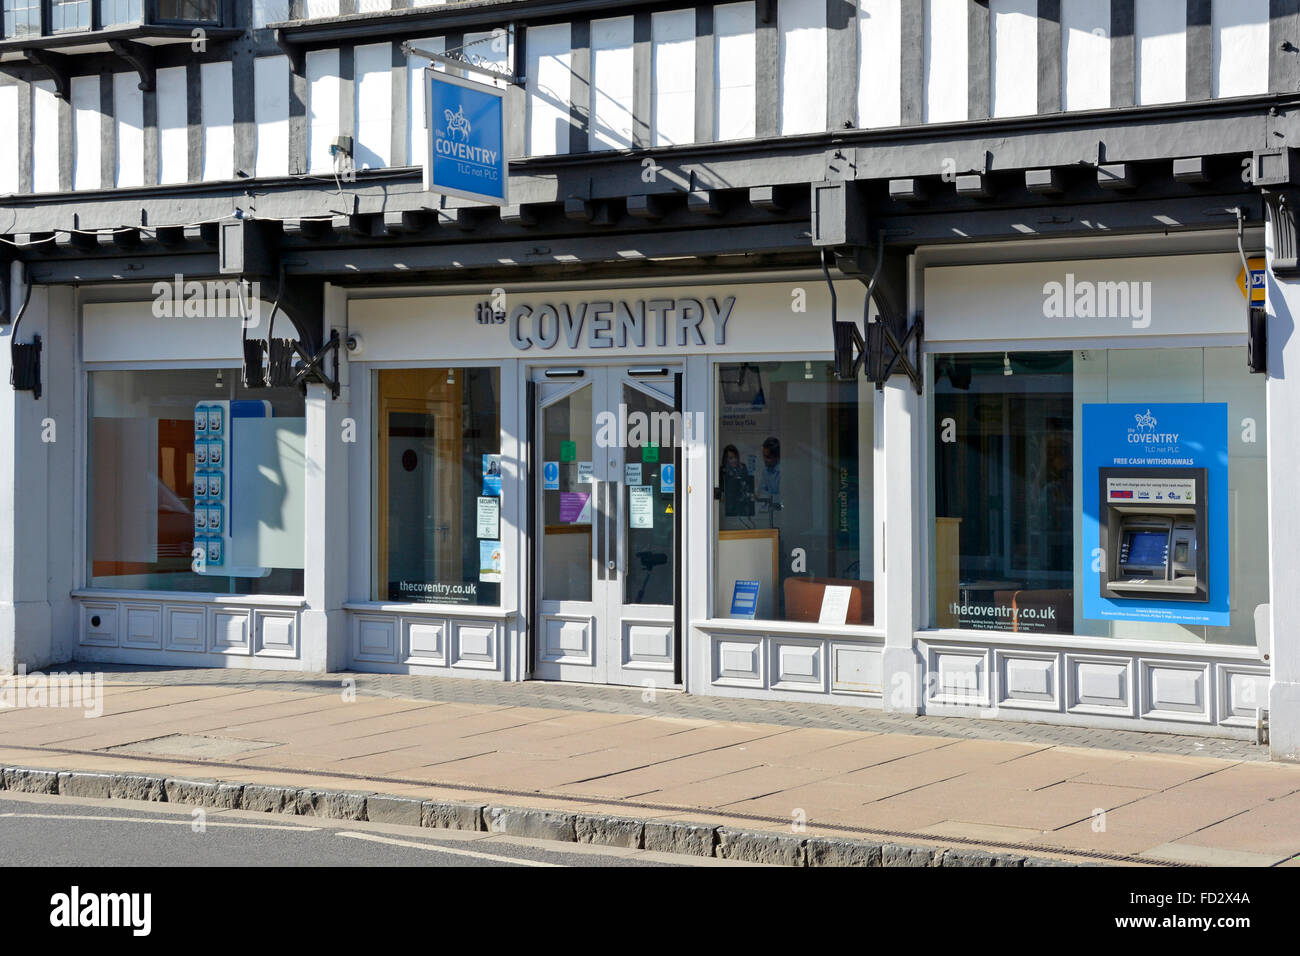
[[489, 518], [575, 507], [641, 506]]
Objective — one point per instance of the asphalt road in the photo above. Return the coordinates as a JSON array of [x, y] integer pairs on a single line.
[[59, 831]]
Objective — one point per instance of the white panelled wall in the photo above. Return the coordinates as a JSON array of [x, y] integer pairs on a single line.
[[607, 103]]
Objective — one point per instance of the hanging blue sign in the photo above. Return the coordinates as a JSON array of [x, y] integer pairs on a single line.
[[465, 126], [1155, 513]]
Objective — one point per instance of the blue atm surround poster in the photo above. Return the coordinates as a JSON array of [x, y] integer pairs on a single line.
[[1145, 436], [466, 136]]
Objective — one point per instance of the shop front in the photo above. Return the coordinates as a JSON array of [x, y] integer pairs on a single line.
[[665, 484], [614, 465], [1096, 477]]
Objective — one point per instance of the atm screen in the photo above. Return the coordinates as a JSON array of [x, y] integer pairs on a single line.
[[1147, 548]]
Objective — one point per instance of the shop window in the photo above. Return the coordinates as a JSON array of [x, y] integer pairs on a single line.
[[438, 486], [793, 494], [195, 483], [1117, 493]]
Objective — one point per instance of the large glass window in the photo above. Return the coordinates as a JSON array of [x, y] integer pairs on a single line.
[[22, 18], [69, 15], [195, 483], [793, 494], [1111, 493], [438, 486]]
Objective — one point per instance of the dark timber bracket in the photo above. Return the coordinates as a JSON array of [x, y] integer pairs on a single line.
[[57, 65], [140, 58]]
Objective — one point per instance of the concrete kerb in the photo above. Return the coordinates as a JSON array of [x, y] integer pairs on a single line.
[[667, 836]]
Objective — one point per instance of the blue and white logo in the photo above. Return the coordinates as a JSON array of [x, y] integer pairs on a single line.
[[668, 479], [466, 123], [551, 476]]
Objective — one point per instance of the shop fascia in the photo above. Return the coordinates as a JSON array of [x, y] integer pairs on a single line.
[[614, 324]]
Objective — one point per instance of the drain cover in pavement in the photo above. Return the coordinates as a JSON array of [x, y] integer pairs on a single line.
[[193, 745]]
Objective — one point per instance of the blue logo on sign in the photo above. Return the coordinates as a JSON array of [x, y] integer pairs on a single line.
[[467, 127], [667, 479], [551, 476]]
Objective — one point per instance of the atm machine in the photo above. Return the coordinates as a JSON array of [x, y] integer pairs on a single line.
[[1153, 534]]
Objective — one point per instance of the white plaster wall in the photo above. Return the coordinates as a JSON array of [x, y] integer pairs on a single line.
[[373, 73], [218, 111], [946, 56], [322, 108], [1013, 54], [549, 89], [672, 91], [8, 144], [1160, 42], [173, 125], [315, 9], [1240, 29], [801, 33], [86, 134], [45, 137], [271, 115], [128, 118], [880, 63], [1085, 54], [734, 115], [611, 84], [416, 147]]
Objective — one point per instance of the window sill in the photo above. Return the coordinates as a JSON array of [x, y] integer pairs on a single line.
[[793, 628], [192, 597], [429, 610]]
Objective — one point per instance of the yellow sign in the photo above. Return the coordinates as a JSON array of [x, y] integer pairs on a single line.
[[1257, 267]]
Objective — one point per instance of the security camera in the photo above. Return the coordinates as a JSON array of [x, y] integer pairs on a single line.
[[354, 343]]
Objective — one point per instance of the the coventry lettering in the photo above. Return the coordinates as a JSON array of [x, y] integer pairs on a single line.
[[479, 155], [59, 689], [74, 909], [1085, 299], [620, 324]]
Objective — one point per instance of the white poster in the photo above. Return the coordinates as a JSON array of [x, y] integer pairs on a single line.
[[489, 518], [641, 506], [632, 473]]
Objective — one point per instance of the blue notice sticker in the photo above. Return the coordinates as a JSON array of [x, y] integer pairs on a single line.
[[744, 599]]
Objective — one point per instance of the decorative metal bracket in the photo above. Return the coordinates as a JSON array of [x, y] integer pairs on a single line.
[[312, 369], [887, 343], [457, 59]]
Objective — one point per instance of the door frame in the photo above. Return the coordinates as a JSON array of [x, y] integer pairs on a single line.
[[673, 378]]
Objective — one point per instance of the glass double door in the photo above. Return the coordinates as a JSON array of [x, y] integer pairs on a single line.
[[606, 506]]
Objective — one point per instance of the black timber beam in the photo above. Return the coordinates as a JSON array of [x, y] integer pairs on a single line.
[[1061, 141]]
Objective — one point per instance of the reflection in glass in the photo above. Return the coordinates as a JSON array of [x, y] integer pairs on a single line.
[[568, 505]]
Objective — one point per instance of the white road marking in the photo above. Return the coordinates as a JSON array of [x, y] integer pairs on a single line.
[[440, 848], [184, 821]]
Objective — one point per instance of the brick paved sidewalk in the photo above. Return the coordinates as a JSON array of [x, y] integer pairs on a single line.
[[759, 765]]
